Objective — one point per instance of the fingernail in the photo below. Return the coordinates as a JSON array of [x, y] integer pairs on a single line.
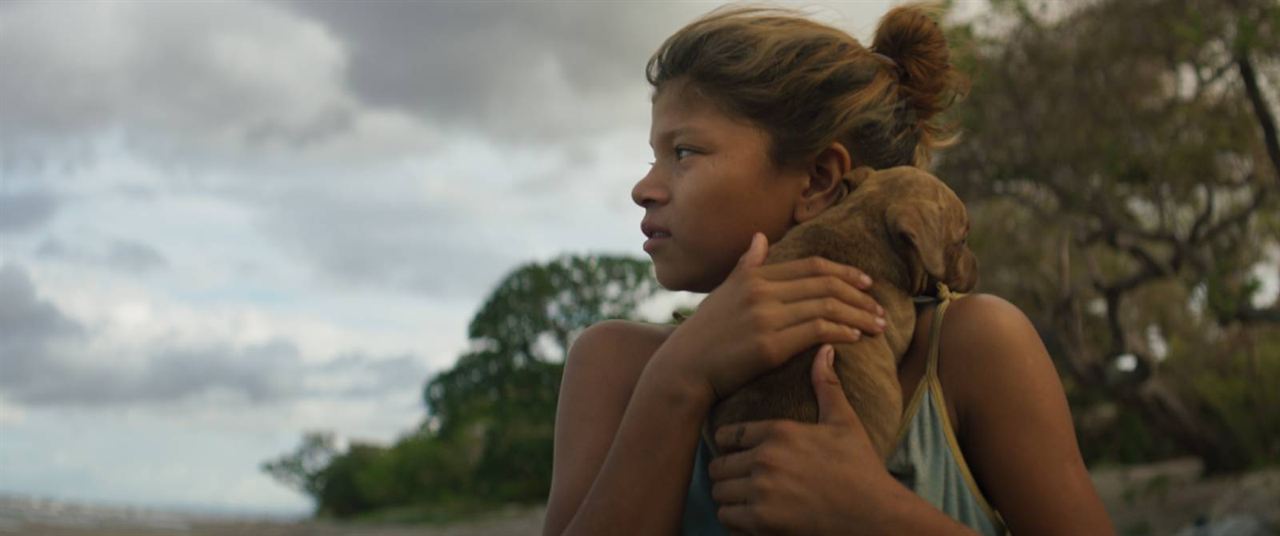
[[866, 280], [880, 310], [880, 322], [829, 356]]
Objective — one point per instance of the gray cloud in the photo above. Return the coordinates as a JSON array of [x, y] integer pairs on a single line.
[[174, 80], [133, 256], [259, 374], [46, 360], [373, 378], [435, 249], [212, 82], [31, 329], [26, 210], [515, 70], [281, 106], [122, 255]]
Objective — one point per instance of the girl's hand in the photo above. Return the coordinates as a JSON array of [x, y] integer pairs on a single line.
[[798, 478], [761, 316]]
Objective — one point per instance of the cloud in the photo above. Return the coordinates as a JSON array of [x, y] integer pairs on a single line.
[[515, 71], [133, 256], [31, 329], [373, 241], [50, 359], [122, 255], [189, 84], [26, 210], [326, 121]]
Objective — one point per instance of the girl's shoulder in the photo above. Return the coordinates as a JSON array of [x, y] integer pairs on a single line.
[[985, 330], [988, 349], [615, 333], [623, 346]]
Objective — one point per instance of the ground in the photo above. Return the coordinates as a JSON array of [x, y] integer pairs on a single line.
[[1154, 499]]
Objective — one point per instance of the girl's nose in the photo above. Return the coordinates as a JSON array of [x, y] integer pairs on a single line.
[[650, 189]]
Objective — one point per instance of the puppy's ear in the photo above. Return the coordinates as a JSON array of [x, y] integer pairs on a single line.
[[919, 231]]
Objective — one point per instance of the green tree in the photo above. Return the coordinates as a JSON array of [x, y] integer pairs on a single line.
[[1121, 162], [504, 392], [342, 494], [303, 469]]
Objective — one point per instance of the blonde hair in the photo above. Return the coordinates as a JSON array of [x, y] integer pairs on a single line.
[[808, 84]]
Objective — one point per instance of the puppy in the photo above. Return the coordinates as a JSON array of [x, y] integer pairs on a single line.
[[907, 230]]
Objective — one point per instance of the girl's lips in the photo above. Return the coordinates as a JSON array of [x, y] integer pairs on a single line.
[[653, 242]]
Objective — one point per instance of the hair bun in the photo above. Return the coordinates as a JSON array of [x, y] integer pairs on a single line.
[[911, 37]]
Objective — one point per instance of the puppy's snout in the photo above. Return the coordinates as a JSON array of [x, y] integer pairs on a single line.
[[965, 275]]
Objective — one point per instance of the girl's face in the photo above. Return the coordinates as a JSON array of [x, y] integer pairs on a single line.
[[710, 187]]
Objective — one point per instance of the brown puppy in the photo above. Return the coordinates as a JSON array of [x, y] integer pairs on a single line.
[[907, 230]]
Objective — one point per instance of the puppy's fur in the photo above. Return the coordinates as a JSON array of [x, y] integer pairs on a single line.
[[904, 228]]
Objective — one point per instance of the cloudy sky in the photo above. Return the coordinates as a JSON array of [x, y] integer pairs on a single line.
[[224, 224]]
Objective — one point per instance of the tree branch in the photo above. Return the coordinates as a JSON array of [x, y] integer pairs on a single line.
[[1265, 119], [1249, 315], [1238, 218]]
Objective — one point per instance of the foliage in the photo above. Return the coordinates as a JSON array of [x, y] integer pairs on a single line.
[[1121, 168], [303, 469]]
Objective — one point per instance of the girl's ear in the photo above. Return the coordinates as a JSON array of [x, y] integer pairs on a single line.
[[823, 187]]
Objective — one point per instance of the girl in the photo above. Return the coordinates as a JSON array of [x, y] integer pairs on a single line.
[[757, 114]]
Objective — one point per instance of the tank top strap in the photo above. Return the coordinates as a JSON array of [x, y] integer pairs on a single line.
[[945, 297], [928, 459]]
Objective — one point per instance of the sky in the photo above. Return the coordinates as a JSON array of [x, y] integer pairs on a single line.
[[225, 224]]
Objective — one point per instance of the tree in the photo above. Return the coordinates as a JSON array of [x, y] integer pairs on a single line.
[[505, 390], [1122, 165], [303, 469]]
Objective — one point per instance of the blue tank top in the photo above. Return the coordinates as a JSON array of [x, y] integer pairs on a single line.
[[927, 459]]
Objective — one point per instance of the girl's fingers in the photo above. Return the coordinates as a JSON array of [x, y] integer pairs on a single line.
[[830, 309], [738, 517], [732, 491], [736, 464], [815, 266], [740, 438], [817, 287], [796, 338]]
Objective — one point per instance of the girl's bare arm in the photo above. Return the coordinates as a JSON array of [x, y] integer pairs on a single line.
[[1014, 424], [614, 392]]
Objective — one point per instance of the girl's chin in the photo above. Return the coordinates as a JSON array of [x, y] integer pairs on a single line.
[[680, 282], [669, 279]]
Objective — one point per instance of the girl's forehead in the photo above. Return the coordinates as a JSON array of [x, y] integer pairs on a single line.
[[685, 98], [673, 117], [690, 113]]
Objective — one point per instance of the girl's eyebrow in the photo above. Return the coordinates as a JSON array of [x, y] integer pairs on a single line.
[[675, 132]]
